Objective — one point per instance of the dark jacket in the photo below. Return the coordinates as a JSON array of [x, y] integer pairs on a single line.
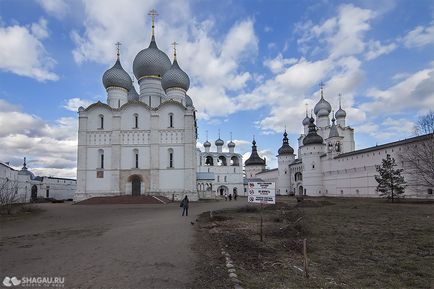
[[184, 203]]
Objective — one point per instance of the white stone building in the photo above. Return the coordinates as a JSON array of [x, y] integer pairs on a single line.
[[219, 172], [329, 165], [29, 187]]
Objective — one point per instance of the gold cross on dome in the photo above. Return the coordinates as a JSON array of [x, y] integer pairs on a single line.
[[118, 48], [153, 13]]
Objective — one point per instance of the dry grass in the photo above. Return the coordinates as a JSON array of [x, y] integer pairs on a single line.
[[352, 243]]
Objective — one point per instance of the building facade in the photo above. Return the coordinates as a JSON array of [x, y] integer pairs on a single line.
[[328, 164], [139, 143], [30, 188]]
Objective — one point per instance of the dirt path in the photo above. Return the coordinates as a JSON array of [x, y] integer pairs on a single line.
[[104, 246]]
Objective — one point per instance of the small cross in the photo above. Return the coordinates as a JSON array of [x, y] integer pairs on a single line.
[[153, 13], [118, 48], [174, 43]]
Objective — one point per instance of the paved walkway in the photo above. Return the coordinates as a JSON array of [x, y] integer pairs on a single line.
[[104, 246]]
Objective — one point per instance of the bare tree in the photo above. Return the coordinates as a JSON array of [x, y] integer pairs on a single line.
[[418, 159], [8, 194]]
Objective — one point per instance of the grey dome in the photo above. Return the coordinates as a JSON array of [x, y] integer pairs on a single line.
[[340, 113], [231, 144], [285, 149], [116, 76], [151, 62], [333, 130], [322, 112], [175, 77], [312, 137], [132, 94], [188, 101], [219, 142], [207, 144], [322, 104], [306, 120], [254, 158]]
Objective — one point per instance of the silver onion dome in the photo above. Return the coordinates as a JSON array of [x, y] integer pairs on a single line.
[[323, 112], [306, 120], [219, 142], [340, 113], [188, 101], [151, 62], [132, 94], [322, 105], [231, 144], [207, 144], [116, 76], [175, 77]]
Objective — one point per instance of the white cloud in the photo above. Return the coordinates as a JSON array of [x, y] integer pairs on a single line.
[[50, 147], [278, 63], [420, 36], [416, 91], [212, 62], [376, 49], [22, 52], [73, 104], [57, 8]]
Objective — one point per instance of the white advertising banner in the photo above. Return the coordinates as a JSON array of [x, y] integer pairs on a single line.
[[261, 192]]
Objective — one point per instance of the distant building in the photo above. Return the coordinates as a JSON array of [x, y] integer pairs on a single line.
[[29, 187], [327, 162], [219, 172]]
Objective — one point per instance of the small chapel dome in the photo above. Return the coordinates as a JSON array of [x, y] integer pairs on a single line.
[[306, 120], [188, 101], [333, 130], [116, 76], [322, 105], [312, 137], [175, 77], [231, 144], [207, 144], [219, 142], [80, 108], [132, 94], [340, 113], [151, 62], [285, 149]]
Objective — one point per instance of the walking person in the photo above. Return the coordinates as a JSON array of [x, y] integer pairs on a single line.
[[235, 196], [226, 196], [184, 205], [230, 197]]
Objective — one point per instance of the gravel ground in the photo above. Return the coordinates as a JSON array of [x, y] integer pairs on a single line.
[[104, 246]]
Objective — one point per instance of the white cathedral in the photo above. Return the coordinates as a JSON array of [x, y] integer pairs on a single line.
[[145, 143]]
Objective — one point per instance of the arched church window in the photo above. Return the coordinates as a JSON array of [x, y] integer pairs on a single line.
[[209, 161], [136, 158], [170, 119], [101, 158], [313, 166], [170, 158], [235, 161], [136, 120], [221, 161], [101, 121]]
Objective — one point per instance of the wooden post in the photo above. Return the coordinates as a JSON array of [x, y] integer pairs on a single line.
[[261, 224], [306, 272]]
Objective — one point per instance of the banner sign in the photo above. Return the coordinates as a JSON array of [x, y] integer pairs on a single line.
[[262, 192]]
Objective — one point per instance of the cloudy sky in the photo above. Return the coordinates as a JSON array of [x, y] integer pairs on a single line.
[[253, 65]]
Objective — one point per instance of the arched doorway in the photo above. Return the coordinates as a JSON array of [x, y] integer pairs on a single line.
[[300, 190], [222, 190], [136, 185], [34, 194]]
